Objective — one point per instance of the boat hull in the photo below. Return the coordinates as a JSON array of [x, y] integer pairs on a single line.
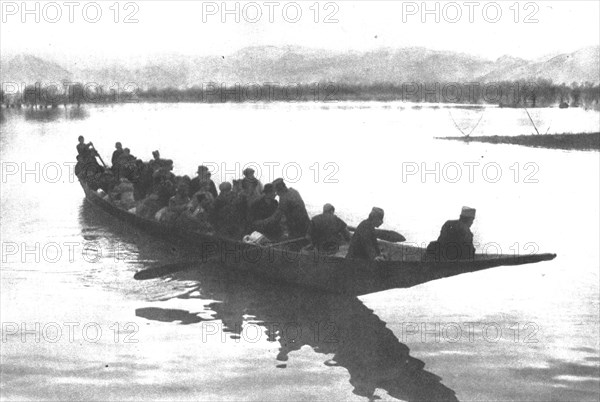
[[289, 264]]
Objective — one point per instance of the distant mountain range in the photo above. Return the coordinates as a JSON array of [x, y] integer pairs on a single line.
[[301, 65]]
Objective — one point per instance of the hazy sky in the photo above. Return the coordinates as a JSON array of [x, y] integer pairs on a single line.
[[178, 27]]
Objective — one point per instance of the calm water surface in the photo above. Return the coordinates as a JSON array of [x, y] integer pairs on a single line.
[[511, 333]]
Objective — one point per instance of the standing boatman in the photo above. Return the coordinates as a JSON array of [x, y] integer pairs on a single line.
[[117, 154], [85, 151]]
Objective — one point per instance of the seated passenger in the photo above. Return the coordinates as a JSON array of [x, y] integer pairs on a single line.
[[260, 210], [364, 245], [196, 216], [177, 204], [180, 200], [79, 165], [165, 172], [122, 195], [142, 184], [149, 206], [183, 180], [157, 162], [164, 188], [203, 177], [327, 231], [456, 239], [204, 189], [126, 166], [251, 186], [163, 184], [291, 207], [229, 210], [92, 178], [107, 181], [241, 203]]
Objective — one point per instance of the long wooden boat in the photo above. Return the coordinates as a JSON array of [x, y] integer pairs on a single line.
[[289, 263]]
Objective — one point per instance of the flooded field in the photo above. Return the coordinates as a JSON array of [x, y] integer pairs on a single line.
[[75, 324]]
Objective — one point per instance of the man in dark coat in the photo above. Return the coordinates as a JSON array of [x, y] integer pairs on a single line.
[[117, 154], [203, 176], [86, 151], [456, 239], [291, 207], [87, 167], [229, 212], [263, 208], [251, 186], [363, 244], [125, 166], [157, 162], [142, 184], [327, 231]]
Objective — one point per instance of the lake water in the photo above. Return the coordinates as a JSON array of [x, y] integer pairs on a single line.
[[75, 324]]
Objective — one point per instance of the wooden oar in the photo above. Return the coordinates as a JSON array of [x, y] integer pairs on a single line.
[[98, 155], [283, 243], [162, 270], [384, 234]]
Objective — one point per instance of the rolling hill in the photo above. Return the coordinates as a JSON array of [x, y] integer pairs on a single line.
[[292, 64]]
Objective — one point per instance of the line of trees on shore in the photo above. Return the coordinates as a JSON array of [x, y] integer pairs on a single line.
[[540, 93]]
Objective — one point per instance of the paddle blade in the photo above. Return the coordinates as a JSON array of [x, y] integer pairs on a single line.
[[389, 235], [162, 270]]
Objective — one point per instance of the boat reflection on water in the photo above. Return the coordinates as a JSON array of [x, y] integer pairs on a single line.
[[292, 316], [329, 324]]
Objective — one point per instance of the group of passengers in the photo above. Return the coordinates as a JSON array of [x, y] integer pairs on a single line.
[[151, 190]]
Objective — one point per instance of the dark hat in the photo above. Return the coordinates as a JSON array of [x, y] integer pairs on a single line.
[[269, 188], [279, 184], [248, 172], [225, 186], [202, 168], [376, 213], [328, 208], [468, 212]]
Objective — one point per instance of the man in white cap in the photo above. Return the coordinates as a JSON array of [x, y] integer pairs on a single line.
[[456, 239], [363, 244], [326, 231]]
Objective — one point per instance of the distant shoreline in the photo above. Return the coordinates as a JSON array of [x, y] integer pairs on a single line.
[[574, 142], [507, 94]]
